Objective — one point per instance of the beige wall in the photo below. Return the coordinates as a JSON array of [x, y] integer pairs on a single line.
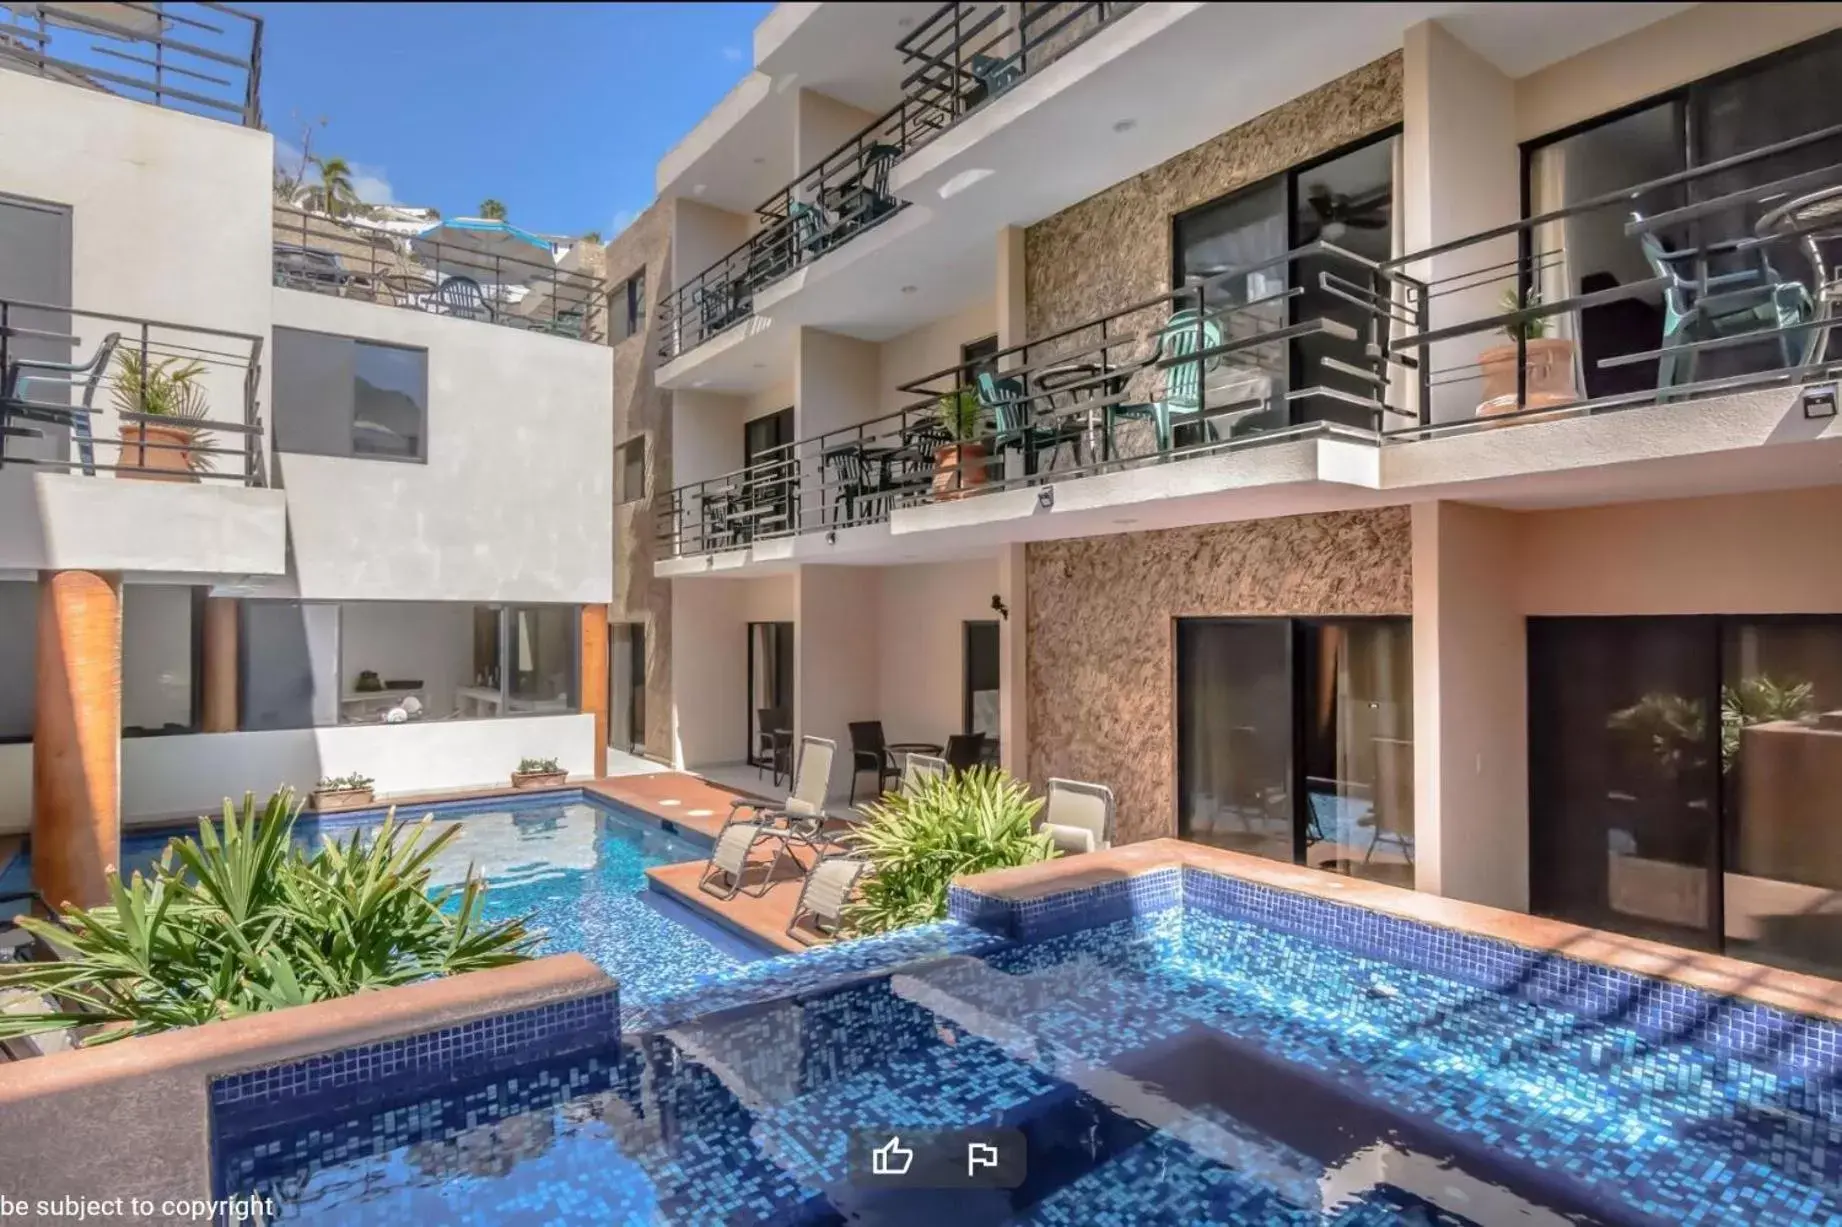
[[1686, 47], [929, 348], [1113, 248], [923, 611], [822, 125], [836, 653], [1101, 634]]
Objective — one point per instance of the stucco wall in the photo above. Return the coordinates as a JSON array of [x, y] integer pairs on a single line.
[[643, 410], [1113, 249], [1101, 670]]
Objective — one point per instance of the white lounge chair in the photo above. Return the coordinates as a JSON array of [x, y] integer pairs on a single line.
[[799, 820], [919, 767], [1078, 817], [827, 889]]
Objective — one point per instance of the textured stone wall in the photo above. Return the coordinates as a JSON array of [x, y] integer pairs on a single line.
[[1102, 610], [1113, 248], [641, 409]]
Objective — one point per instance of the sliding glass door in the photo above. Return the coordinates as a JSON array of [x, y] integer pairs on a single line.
[[1295, 741], [627, 686], [770, 688]]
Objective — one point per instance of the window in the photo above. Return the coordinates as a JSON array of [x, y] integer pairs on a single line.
[[627, 685], [770, 693], [18, 659], [1295, 741], [979, 699], [338, 396], [630, 306], [976, 357], [633, 470], [161, 657], [1682, 781], [765, 442]]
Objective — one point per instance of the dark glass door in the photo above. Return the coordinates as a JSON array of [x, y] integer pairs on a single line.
[[35, 268], [980, 698], [1234, 735], [766, 441], [627, 686], [770, 688]]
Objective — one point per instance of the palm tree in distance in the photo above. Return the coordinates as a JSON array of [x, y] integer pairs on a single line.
[[492, 210], [335, 194]]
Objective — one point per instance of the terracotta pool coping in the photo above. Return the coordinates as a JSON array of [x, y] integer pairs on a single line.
[[132, 1119], [1787, 990]]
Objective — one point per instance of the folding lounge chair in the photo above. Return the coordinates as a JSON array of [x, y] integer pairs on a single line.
[[827, 888], [919, 767], [799, 821], [1078, 817]]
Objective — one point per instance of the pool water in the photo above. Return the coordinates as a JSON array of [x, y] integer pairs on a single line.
[[1175, 1069], [577, 868]]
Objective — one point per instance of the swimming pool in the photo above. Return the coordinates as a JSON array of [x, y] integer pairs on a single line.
[[1183, 1065], [576, 865]]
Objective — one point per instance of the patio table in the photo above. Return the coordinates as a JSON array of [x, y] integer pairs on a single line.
[[1816, 217], [914, 747]]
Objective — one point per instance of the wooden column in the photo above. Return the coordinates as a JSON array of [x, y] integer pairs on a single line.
[[219, 700], [593, 686], [76, 737]]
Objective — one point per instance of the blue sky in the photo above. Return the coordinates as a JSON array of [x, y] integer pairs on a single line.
[[562, 111]]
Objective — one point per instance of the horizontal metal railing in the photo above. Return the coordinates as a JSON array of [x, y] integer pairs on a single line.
[[1728, 283], [1207, 368], [349, 258], [93, 393], [959, 57], [196, 56]]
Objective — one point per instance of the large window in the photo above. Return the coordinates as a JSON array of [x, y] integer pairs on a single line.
[[18, 659], [338, 396], [1683, 777], [980, 694], [770, 694], [1347, 200], [307, 664], [632, 456], [627, 685], [1295, 741], [630, 306], [161, 658]]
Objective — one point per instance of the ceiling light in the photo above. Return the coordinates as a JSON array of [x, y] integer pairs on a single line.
[[1125, 125], [1128, 520], [908, 289], [760, 161], [963, 180], [905, 22], [698, 189]]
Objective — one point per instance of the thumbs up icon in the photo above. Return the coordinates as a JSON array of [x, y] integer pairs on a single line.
[[891, 1158]]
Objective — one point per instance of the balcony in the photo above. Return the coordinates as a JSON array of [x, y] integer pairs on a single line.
[[1289, 350], [959, 58], [350, 257], [201, 58], [129, 444]]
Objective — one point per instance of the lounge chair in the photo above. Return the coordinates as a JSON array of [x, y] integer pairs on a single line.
[[827, 889], [16, 401], [800, 820], [919, 767], [1078, 817]]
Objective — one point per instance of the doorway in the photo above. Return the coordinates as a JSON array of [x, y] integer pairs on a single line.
[[627, 687], [979, 692], [770, 693]]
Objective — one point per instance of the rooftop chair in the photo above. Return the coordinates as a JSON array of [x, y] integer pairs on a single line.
[[826, 890], [964, 750], [17, 401], [801, 820], [919, 767], [462, 296], [1078, 817], [870, 752], [1723, 305], [811, 229], [1186, 332]]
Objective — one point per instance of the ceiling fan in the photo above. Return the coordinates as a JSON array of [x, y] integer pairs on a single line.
[[1335, 211]]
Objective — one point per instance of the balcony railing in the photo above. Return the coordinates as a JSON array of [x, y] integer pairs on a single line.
[[348, 258], [1728, 283], [92, 393], [202, 58], [958, 58], [1291, 346]]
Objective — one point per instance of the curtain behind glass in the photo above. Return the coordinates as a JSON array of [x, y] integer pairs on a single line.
[[1358, 747]]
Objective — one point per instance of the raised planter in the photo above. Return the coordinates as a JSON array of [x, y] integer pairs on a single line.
[[539, 779], [1548, 380], [330, 800], [156, 453]]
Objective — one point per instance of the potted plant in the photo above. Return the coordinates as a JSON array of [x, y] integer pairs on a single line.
[[538, 773], [960, 465], [167, 388], [1547, 362], [337, 792]]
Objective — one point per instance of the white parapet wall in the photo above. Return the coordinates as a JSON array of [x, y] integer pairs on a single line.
[[173, 777]]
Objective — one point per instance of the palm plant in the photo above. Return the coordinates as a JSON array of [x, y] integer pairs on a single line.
[[1760, 700], [247, 921], [170, 388], [920, 839], [1530, 329], [492, 210], [335, 194], [962, 415]]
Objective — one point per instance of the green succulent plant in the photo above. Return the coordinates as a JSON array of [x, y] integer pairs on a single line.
[[167, 388], [962, 415], [539, 766]]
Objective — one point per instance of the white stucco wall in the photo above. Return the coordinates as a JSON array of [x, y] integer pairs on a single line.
[[514, 500]]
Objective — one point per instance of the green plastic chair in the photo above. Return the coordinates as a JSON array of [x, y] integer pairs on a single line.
[[1186, 332]]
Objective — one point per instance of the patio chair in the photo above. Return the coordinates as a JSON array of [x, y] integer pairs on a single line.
[[1392, 816], [917, 768], [463, 297], [1186, 332], [773, 740], [800, 820], [1723, 305], [870, 752], [15, 401], [1003, 396], [1078, 817], [964, 750], [730, 858], [822, 897]]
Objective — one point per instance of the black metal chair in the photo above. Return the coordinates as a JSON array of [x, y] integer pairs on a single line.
[[964, 750], [774, 740], [462, 296], [870, 752]]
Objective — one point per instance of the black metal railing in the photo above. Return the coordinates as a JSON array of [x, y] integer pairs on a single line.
[[1712, 280], [1290, 346], [349, 258], [961, 56], [195, 56], [91, 393]]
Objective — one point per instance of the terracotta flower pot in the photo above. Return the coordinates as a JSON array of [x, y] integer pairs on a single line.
[[539, 779], [958, 467], [328, 800], [156, 453], [1549, 381]]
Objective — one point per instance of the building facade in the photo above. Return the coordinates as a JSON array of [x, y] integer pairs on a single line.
[[1404, 454]]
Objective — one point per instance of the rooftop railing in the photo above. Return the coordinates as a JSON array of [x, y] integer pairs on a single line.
[[198, 57], [93, 393], [1712, 280], [961, 56], [1276, 349], [350, 259]]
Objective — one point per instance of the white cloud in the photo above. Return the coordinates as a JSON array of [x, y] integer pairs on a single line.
[[620, 221], [733, 54]]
